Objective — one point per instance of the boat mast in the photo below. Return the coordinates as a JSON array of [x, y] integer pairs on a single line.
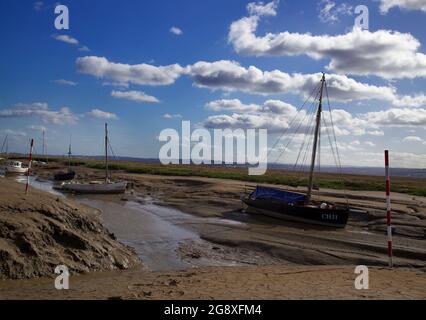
[[69, 156], [5, 144], [106, 152], [317, 133], [44, 147]]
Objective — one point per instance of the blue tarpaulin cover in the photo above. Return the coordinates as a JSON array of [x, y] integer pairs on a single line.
[[275, 194]]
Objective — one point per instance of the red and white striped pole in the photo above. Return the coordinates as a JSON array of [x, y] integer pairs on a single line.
[[29, 166], [388, 209]]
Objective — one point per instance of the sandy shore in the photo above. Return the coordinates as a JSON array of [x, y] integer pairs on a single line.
[[271, 259], [274, 282]]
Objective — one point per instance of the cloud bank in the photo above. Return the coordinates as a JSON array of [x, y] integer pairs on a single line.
[[384, 53]]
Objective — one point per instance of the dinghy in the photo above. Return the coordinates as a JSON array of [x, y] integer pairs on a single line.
[[14, 167], [297, 206]]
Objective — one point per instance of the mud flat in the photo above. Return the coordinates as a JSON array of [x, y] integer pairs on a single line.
[[40, 231], [199, 225], [165, 238], [363, 241]]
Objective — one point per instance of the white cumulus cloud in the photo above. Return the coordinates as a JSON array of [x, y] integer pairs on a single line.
[[386, 5], [137, 96], [65, 82], [67, 39], [278, 116], [124, 74], [104, 115], [231, 105], [329, 11], [172, 116], [231, 76], [384, 53], [413, 139], [262, 9], [177, 31], [41, 111]]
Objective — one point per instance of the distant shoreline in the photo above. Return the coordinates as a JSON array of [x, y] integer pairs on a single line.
[[282, 177], [357, 170]]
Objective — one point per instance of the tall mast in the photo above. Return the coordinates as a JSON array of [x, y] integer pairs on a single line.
[[69, 156], [4, 145], [43, 150], [106, 152], [317, 133]]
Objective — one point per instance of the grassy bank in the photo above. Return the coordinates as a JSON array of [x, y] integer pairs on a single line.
[[273, 176]]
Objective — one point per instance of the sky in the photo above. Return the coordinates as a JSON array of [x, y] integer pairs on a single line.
[[145, 66]]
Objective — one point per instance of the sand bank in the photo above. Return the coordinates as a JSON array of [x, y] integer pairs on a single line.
[[274, 282], [39, 231]]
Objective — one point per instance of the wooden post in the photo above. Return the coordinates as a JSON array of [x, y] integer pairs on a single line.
[[29, 166], [388, 210]]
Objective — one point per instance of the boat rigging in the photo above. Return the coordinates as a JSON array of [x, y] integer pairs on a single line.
[[294, 205]]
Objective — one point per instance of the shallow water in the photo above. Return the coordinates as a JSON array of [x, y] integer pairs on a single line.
[[39, 184], [154, 239], [154, 231]]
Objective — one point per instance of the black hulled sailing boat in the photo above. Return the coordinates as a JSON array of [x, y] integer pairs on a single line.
[[300, 207], [66, 175]]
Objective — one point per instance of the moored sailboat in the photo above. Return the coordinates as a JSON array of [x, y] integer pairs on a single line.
[[9, 166], [66, 175], [297, 206], [97, 187]]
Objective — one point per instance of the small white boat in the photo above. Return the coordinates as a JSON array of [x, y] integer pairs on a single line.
[[96, 187], [100, 187], [11, 166], [39, 163]]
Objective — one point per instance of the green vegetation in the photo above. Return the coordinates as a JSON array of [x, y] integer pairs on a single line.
[[273, 176]]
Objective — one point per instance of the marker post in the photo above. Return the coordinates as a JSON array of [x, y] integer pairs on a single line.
[[388, 210]]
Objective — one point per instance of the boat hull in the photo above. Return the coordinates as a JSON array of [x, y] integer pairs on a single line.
[[15, 170], [102, 188], [64, 176], [336, 217]]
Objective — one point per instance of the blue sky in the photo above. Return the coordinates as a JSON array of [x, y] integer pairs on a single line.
[[39, 71]]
